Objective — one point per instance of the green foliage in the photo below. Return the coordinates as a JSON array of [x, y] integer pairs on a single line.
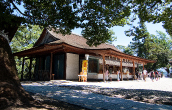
[[161, 50], [25, 38], [120, 47], [112, 38], [127, 50], [153, 47], [141, 35], [95, 17], [166, 17]]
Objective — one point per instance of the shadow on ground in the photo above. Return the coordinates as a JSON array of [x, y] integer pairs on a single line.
[[141, 95], [84, 96]]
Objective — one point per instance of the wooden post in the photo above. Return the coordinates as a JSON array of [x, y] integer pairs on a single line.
[[143, 66], [121, 69], [103, 68], [134, 70], [30, 67], [22, 68], [51, 65]]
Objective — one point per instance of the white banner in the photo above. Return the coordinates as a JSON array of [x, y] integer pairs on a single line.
[[117, 63]]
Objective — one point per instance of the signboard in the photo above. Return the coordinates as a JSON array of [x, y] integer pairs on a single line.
[[84, 67], [117, 63]]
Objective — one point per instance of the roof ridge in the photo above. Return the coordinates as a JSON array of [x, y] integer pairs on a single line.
[[79, 41]]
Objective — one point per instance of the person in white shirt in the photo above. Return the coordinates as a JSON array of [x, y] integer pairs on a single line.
[[144, 74], [106, 75], [127, 75]]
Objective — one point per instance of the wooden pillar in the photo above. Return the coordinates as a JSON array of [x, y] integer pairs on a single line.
[[30, 67], [51, 65], [103, 68], [134, 70], [143, 66], [121, 69], [22, 68]]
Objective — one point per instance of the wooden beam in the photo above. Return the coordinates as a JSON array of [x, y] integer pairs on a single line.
[[51, 65], [22, 68], [121, 69], [44, 49]]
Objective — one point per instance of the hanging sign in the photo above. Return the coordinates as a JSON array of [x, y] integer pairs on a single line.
[[84, 66]]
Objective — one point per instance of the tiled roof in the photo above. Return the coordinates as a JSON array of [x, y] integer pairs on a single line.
[[78, 41]]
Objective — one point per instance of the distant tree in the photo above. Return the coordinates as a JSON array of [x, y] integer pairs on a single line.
[[161, 50], [25, 38], [120, 47], [112, 37], [127, 50], [153, 47], [139, 42]]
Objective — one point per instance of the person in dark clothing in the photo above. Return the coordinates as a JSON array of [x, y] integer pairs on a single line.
[[152, 75], [137, 74], [110, 74], [156, 75]]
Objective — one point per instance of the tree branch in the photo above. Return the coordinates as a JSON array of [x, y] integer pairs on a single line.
[[159, 1], [15, 7]]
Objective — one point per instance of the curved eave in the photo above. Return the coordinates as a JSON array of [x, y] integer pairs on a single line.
[[37, 50], [109, 51], [65, 47]]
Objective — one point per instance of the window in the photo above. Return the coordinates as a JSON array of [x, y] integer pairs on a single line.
[[93, 65]]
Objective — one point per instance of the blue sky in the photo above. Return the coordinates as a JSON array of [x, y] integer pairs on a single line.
[[124, 40]]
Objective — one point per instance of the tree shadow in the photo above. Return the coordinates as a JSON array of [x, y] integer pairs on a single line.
[[84, 96], [141, 95]]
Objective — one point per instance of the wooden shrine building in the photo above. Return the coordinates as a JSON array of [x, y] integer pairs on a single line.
[[60, 57]]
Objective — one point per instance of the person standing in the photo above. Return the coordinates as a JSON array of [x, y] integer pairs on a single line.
[[159, 74], [106, 75], [156, 75], [110, 75], [127, 75], [137, 74], [118, 75], [144, 74], [152, 76]]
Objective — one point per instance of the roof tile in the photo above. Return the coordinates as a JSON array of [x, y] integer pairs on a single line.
[[78, 41]]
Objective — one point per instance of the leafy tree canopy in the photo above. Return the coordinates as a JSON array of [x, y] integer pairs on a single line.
[[25, 37], [94, 16], [153, 47], [160, 50], [127, 50]]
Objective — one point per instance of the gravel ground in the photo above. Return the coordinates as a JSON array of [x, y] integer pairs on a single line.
[[141, 95], [157, 92], [45, 103], [148, 96]]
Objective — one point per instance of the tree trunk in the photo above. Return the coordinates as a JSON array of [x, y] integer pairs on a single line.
[[11, 91]]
